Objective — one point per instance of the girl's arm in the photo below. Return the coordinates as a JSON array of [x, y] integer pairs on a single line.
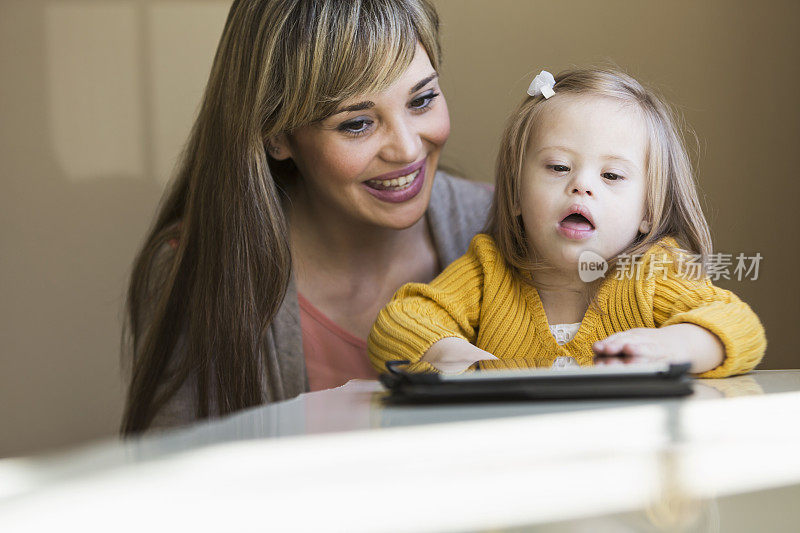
[[678, 343], [696, 322], [435, 325]]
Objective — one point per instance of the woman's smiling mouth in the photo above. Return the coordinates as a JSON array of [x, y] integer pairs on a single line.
[[400, 185], [395, 184]]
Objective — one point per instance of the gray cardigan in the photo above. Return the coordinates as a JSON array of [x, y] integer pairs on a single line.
[[457, 211]]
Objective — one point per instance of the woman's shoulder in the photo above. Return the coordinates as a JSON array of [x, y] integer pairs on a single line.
[[457, 211], [454, 192]]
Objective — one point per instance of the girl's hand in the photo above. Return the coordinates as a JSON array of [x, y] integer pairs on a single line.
[[453, 355], [679, 343]]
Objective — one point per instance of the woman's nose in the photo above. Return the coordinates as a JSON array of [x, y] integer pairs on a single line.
[[403, 144]]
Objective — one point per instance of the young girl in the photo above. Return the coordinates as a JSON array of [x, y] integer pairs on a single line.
[[592, 166]]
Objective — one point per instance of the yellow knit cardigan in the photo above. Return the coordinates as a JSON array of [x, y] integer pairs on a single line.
[[478, 299]]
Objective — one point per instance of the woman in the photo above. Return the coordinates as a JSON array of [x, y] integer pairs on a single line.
[[307, 194]]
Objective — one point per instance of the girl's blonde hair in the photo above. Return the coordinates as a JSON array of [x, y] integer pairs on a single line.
[[280, 64], [671, 204]]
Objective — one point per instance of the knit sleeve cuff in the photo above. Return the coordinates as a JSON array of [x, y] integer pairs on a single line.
[[402, 337], [739, 330]]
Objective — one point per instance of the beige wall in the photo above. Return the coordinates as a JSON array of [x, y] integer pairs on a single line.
[[96, 98]]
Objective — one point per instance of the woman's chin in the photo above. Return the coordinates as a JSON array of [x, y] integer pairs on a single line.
[[403, 218], [400, 215]]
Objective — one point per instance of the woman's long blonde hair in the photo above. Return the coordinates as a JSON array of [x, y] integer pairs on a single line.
[[672, 205], [280, 64]]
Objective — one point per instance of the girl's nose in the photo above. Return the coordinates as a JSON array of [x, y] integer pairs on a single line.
[[581, 184], [403, 144]]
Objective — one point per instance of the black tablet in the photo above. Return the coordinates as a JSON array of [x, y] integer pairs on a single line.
[[629, 381]]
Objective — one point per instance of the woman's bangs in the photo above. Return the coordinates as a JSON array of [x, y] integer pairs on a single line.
[[371, 57]]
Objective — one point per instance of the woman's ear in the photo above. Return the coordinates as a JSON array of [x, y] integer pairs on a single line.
[[278, 147], [644, 227]]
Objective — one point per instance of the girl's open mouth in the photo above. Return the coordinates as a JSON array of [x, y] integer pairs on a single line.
[[576, 226], [577, 221]]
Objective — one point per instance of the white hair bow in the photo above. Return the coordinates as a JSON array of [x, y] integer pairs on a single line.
[[542, 84]]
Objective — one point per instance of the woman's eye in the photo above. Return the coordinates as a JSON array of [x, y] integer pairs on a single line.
[[423, 102], [611, 176], [355, 127], [558, 168]]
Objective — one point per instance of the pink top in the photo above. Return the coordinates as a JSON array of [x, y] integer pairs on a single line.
[[333, 356]]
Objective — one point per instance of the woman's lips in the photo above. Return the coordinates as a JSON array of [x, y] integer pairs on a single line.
[[400, 185]]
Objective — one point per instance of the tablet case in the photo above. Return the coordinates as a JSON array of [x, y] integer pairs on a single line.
[[537, 384]]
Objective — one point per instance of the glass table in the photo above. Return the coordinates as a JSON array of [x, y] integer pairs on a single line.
[[724, 459]]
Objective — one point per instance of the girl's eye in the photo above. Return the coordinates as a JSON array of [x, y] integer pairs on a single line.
[[611, 176], [355, 127], [558, 168], [423, 102]]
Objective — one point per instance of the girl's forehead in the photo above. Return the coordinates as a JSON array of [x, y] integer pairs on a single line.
[[589, 109], [588, 122]]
